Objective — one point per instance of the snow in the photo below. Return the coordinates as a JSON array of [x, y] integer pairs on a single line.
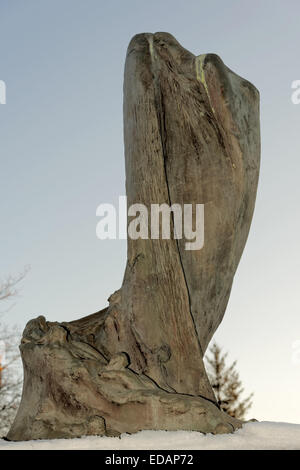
[[253, 435]]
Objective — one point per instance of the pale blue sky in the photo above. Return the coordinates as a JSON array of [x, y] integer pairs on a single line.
[[61, 148]]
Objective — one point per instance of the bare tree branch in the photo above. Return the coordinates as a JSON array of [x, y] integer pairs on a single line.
[[10, 366], [8, 286]]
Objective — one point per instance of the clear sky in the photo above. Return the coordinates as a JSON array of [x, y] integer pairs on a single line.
[[61, 147]]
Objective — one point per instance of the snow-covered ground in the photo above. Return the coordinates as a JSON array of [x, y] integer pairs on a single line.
[[254, 435]]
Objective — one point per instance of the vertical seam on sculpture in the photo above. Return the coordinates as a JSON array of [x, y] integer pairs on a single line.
[[200, 75], [199, 62], [161, 122]]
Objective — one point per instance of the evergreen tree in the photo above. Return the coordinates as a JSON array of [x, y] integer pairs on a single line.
[[226, 383]]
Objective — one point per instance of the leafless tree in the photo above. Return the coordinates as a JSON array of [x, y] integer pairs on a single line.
[[10, 362]]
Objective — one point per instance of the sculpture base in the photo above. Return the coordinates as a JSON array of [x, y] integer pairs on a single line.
[[71, 390]]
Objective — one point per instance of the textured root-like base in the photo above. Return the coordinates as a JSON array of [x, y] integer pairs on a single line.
[[70, 390]]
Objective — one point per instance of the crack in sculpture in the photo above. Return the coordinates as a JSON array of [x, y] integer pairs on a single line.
[[191, 134], [163, 138]]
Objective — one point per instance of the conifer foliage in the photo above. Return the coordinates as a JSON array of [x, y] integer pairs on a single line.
[[226, 383]]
